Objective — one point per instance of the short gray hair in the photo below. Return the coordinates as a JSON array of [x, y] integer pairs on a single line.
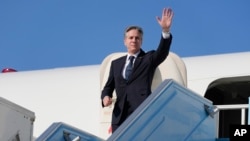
[[139, 29]]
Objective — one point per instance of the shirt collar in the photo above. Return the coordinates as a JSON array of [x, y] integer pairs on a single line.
[[135, 55]]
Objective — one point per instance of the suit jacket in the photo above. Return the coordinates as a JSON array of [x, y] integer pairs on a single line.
[[132, 92]]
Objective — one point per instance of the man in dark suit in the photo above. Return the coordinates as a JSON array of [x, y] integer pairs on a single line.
[[132, 77]]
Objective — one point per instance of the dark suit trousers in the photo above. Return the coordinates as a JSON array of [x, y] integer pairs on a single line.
[[126, 113]]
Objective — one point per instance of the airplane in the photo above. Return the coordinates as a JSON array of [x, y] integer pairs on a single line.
[[72, 94]]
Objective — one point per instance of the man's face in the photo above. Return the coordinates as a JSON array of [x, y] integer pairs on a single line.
[[133, 41]]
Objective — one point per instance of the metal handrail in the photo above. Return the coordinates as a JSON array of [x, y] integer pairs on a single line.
[[219, 108]]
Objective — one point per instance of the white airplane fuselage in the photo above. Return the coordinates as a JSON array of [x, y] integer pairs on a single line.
[[72, 94]]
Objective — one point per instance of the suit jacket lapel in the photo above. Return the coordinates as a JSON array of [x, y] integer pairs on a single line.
[[121, 65], [138, 59]]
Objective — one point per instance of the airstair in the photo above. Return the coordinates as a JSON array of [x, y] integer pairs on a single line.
[[172, 112]]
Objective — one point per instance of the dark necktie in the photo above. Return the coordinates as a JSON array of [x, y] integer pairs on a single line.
[[129, 67]]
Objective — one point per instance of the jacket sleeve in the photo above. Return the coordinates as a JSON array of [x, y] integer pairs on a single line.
[[162, 51], [109, 86]]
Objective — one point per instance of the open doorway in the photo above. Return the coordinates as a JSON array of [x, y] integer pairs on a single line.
[[227, 91]]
